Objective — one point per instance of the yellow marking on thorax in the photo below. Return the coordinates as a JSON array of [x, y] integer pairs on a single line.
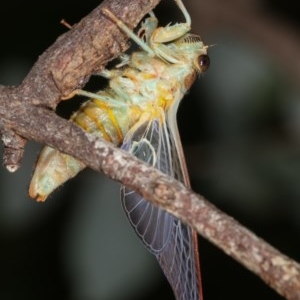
[[134, 114], [147, 76], [155, 111], [165, 97], [132, 74]]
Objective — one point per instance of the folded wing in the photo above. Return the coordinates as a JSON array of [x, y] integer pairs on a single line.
[[165, 236]]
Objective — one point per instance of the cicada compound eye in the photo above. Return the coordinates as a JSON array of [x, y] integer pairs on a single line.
[[203, 62]]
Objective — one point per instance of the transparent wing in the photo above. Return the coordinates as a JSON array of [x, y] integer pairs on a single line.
[[166, 237]]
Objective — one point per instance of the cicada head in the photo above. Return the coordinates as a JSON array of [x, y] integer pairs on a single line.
[[191, 48]]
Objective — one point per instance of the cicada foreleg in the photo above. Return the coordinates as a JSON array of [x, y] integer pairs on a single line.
[[151, 38], [170, 33], [148, 27], [129, 32]]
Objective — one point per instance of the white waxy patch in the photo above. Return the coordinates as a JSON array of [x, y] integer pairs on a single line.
[[12, 168]]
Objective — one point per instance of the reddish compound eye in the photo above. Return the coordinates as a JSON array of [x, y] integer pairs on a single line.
[[203, 62]]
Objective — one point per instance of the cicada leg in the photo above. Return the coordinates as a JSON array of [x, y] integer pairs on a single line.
[[148, 27], [101, 97], [124, 60], [170, 33], [152, 38], [129, 32]]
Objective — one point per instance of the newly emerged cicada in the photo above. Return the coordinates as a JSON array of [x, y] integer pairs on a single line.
[[138, 112]]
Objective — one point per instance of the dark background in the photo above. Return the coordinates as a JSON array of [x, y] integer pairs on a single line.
[[240, 131]]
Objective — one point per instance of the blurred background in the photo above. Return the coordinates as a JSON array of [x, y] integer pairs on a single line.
[[240, 128]]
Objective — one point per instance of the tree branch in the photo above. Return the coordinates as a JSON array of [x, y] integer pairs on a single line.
[[24, 113]]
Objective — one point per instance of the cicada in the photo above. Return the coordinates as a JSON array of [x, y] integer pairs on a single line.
[[137, 111]]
